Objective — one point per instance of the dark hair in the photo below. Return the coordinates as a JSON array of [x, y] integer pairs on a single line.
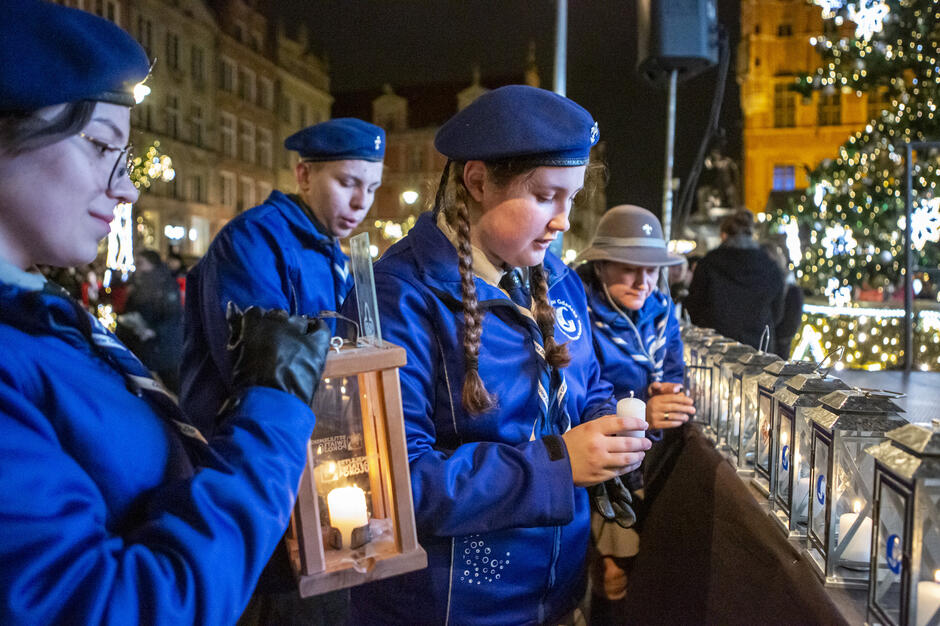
[[453, 198], [741, 222], [22, 132], [151, 256]]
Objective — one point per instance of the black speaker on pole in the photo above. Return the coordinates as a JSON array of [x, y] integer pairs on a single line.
[[677, 35]]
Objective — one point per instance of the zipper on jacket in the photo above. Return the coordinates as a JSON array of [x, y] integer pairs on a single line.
[[556, 549]]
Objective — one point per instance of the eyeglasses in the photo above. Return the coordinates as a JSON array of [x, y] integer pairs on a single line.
[[123, 163]]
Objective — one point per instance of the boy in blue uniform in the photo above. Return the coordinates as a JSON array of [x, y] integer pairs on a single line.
[[283, 254], [639, 350], [505, 423], [114, 509]]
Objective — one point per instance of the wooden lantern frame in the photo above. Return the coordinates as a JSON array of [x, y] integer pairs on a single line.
[[376, 369]]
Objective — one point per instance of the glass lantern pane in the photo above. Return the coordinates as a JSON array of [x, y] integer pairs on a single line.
[[784, 460], [817, 512], [762, 449], [734, 424], [927, 575], [748, 422], [889, 556], [851, 504], [799, 499]]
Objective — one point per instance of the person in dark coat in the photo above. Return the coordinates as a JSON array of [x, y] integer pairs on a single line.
[[792, 317], [154, 297], [737, 289]]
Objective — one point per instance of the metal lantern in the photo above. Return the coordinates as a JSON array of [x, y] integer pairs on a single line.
[[791, 436], [775, 376], [724, 358], [707, 388], [838, 533], [906, 560], [354, 518], [693, 344], [742, 425]]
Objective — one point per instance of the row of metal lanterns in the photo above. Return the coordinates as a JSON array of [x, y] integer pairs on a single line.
[[843, 473]]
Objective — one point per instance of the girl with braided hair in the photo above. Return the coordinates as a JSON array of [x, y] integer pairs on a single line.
[[506, 415]]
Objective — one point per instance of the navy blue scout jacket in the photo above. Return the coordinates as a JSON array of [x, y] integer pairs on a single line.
[[273, 256], [505, 529], [102, 519], [615, 339]]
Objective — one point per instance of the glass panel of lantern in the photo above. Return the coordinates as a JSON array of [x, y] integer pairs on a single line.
[[842, 478], [705, 409], [774, 377], [905, 587], [354, 517], [728, 354], [742, 426], [791, 437], [693, 344]]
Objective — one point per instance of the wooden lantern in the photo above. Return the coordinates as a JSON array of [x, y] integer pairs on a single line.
[[354, 518]]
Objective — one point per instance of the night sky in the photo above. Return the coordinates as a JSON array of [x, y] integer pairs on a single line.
[[406, 42]]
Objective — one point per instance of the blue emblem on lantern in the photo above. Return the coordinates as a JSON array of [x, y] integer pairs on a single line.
[[785, 458], [893, 554], [821, 489]]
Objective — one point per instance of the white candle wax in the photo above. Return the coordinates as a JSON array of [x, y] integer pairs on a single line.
[[928, 600], [632, 407], [347, 506], [859, 548]]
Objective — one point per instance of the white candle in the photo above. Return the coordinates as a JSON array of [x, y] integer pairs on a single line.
[[928, 599], [859, 548], [347, 506], [632, 407]]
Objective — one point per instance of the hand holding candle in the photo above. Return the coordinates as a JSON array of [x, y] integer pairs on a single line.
[[347, 506], [632, 407]]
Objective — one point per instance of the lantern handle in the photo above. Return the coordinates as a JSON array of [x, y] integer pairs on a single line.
[[337, 342], [764, 339], [882, 393], [819, 366]]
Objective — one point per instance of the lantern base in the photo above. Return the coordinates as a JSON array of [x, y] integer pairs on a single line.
[[333, 539], [843, 577]]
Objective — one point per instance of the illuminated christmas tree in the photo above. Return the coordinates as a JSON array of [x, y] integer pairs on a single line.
[[847, 229]]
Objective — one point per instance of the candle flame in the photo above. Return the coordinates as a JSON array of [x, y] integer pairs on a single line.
[[857, 506], [784, 438]]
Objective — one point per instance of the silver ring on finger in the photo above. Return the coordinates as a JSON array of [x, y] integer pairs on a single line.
[[665, 415]]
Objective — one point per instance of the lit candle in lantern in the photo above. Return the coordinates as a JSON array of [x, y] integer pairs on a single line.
[[632, 407], [347, 506], [859, 548], [928, 599]]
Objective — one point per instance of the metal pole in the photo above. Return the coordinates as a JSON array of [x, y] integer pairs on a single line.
[[670, 150], [561, 46], [908, 268]]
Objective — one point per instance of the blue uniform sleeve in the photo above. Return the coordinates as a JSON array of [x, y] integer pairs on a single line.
[[478, 486], [600, 399], [191, 552]]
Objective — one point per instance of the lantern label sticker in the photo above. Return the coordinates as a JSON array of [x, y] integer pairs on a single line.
[[893, 555], [785, 458], [821, 489], [567, 319]]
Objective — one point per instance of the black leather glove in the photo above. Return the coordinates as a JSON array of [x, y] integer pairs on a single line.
[[274, 349], [613, 502]]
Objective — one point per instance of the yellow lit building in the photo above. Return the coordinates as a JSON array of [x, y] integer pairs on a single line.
[[785, 134]]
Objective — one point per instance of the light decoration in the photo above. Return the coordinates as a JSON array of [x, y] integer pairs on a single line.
[[120, 255], [681, 246], [393, 231], [141, 91], [810, 344], [839, 240], [794, 249], [829, 7], [838, 295], [409, 196], [152, 166], [868, 17], [925, 223]]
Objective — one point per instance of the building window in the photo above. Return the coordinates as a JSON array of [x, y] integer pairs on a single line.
[[784, 30], [197, 188], [173, 50], [784, 178], [247, 197], [301, 115], [286, 107], [198, 66], [228, 77], [829, 109], [239, 31], [255, 40], [142, 115], [173, 116], [264, 147], [248, 142], [198, 136], [784, 106], [416, 158], [145, 35], [246, 85], [878, 101], [266, 93], [108, 9], [227, 128], [228, 190]]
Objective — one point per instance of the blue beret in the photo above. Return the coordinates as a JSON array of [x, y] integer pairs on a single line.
[[53, 54], [339, 139], [518, 121]]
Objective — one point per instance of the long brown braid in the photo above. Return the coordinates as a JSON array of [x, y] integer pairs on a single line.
[[555, 353]]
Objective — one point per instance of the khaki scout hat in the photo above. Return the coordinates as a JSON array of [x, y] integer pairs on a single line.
[[632, 235]]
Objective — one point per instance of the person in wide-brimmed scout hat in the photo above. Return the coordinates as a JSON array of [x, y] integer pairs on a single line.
[[114, 509], [506, 415], [637, 343]]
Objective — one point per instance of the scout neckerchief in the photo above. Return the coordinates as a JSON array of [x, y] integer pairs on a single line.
[[339, 264], [648, 352], [553, 418]]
